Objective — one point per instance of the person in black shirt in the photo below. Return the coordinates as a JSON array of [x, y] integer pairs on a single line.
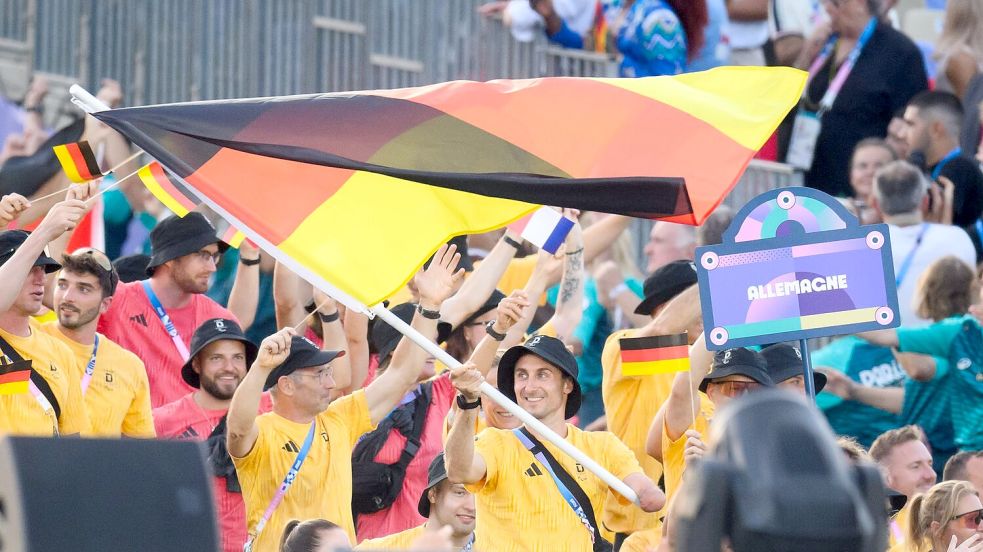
[[932, 125], [888, 72]]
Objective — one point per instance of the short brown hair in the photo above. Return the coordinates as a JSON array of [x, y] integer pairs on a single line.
[[947, 288], [955, 467], [84, 262], [885, 442], [853, 449]]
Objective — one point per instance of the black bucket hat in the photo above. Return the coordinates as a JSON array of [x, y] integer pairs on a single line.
[[741, 361], [209, 332], [437, 473], [303, 354], [785, 361], [551, 350], [177, 236], [665, 283], [384, 337], [10, 242], [444, 329]]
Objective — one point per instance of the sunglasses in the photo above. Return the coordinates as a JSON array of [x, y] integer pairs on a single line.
[[970, 520], [736, 388], [98, 256]]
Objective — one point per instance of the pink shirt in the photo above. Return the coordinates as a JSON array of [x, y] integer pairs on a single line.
[[132, 322], [403, 513]]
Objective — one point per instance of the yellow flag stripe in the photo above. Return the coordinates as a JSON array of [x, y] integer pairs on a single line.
[[655, 367], [155, 188], [68, 164], [14, 388]]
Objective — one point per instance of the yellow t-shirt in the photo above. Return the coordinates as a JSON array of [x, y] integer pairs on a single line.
[[397, 541], [631, 403], [22, 414], [642, 541], [118, 398], [323, 487], [673, 461], [898, 533], [519, 507]]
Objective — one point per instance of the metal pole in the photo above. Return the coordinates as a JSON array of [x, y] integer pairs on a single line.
[[810, 382]]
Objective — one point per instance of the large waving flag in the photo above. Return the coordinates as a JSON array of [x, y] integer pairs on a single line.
[[358, 189]]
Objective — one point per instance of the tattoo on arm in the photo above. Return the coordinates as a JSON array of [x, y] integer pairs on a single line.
[[573, 272]]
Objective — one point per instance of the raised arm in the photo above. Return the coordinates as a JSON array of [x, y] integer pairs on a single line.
[[357, 333], [510, 311], [463, 465], [599, 236], [889, 399], [480, 284], [244, 297], [290, 294], [884, 338], [570, 301], [684, 396], [334, 340], [434, 284], [241, 420]]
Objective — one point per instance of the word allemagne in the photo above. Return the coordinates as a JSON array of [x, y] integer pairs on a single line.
[[797, 287]]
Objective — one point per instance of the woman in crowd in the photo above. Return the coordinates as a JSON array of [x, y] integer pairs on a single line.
[[313, 535], [869, 155], [949, 517], [657, 37], [959, 49]]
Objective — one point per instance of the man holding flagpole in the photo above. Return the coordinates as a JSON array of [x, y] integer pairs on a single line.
[[530, 496], [295, 462]]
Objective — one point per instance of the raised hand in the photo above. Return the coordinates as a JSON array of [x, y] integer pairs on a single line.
[[510, 311], [11, 206], [467, 380], [837, 383], [63, 217], [695, 447], [441, 279], [274, 349]]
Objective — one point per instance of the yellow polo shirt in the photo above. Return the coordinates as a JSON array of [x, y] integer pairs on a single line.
[[397, 541], [642, 541], [519, 507], [118, 398], [323, 486], [673, 461], [22, 414]]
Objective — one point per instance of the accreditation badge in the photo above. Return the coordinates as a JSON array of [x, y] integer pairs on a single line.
[[805, 133]]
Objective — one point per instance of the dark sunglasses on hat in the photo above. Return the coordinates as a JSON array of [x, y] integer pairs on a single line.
[[100, 258]]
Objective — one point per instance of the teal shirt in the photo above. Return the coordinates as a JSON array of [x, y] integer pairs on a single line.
[[960, 340], [868, 365]]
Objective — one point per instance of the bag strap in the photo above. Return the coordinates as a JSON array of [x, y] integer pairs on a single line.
[[37, 380], [572, 492]]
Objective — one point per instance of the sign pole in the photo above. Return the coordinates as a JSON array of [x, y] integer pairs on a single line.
[[809, 381]]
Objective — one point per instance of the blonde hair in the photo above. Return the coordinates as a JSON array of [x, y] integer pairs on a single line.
[[938, 504], [963, 27], [885, 442], [947, 288], [853, 449]]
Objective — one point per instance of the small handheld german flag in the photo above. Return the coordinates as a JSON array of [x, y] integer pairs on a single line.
[[14, 376], [660, 354], [78, 162]]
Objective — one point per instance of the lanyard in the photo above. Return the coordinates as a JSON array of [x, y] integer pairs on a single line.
[[941, 164], [470, 544], [182, 349], [287, 481], [906, 264], [90, 367], [833, 90], [567, 495], [45, 405], [979, 230]]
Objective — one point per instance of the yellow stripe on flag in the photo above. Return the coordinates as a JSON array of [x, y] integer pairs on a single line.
[[655, 367], [67, 164], [155, 188], [14, 388]]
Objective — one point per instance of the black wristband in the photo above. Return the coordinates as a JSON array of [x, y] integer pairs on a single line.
[[574, 252], [250, 262], [431, 314], [512, 242], [490, 330], [328, 318], [463, 403]]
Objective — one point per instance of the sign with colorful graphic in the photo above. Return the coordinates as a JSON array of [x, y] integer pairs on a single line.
[[795, 264]]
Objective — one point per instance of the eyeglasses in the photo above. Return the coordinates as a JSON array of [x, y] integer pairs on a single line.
[[204, 256], [970, 520], [736, 388], [322, 375], [98, 256]]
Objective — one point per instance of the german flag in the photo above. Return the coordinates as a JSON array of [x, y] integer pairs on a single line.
[[174, 196], [356, 190], [229, 234], [78, 161], [660, 354], [14, 376]]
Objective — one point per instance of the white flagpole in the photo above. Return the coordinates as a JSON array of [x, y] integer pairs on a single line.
[[90, 104]]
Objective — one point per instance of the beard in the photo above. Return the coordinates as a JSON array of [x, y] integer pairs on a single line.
[[213, 388], [80, 318], [188, 283]]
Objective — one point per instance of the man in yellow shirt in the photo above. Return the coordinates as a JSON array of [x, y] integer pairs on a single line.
[[906, 464], [113, 381], [444, 504], [295, 462], [520, 505]]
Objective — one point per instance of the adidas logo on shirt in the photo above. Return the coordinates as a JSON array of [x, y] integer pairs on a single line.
[[291, 446], [188, 433], [533, 470], [139, 319]]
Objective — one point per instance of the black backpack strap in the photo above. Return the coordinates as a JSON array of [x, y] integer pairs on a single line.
[[420, 408], [571, 484], [36, 378]]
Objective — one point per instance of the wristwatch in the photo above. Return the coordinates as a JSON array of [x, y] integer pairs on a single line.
[[463, 403], [490, 330]]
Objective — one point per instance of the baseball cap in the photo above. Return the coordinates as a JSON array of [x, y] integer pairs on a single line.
[[444, 329], [177, 236], [384, 337], [665, 283], [10, 242], [551, 350], [303, 354], [741, 361], [785, 361], [436, 474], [132, 268], [209, 332]]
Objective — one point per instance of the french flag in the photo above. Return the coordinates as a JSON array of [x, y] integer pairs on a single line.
[[545, 228]]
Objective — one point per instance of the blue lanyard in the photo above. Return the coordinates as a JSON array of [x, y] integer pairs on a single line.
[[90, 368], [906, 264], [979, 231], [182, 349], [833, 89], [567, 495], [941, 164]]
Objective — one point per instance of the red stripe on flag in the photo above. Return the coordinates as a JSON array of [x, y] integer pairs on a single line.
[[15, 377], [82, 165], [649, 355], [164, 181]]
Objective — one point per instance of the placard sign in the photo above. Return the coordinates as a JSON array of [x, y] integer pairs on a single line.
[[795, 264]]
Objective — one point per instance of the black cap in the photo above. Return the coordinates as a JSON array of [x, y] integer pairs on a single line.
[[303, 354], [437, 473], [176, 237], [10, 242], [211, 331], [738, 361], [551, 350], [384, 337], [665, 283], [444, 329], [785, 361], [132, 268]]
